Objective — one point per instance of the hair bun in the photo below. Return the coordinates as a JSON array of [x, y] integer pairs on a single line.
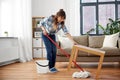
[[61, 13], [61, 10]]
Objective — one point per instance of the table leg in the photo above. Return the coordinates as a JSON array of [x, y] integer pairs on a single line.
[[99, 65], [75, 56], [71, 58]]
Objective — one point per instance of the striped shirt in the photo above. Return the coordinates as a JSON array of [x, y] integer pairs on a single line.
[[47, 24]]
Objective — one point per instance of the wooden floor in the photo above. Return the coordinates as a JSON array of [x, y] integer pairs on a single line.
[[27, 71]]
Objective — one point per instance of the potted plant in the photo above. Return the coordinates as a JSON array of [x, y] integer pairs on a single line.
[[6, 34], [38, 23], [112, 27]]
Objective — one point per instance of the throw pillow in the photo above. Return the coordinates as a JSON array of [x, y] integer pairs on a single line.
[[96, 41], [111, 40], [82, 39], [65, 42]]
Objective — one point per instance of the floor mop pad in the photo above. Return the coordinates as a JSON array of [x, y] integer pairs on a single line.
[[82, 73]]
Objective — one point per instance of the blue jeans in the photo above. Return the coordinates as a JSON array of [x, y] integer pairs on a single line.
[[51, 49]]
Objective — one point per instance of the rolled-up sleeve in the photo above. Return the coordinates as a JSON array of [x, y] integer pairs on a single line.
[[65, 29], [43, 22]]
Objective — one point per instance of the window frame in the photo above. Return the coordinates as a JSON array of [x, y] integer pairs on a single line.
[[96, 4]]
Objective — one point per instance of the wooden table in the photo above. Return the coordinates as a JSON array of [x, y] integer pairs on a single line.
[[89, 50]]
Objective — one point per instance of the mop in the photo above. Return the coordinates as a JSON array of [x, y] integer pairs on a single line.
[[82, 73]]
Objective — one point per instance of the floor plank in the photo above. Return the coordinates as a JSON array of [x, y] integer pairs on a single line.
[[27, 71]]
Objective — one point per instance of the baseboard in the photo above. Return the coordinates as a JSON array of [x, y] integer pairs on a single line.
[[9, 62]]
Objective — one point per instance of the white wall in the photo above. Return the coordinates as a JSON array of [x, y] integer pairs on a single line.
[[46, 7]]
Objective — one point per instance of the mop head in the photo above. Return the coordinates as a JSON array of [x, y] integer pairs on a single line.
[[81, 74]]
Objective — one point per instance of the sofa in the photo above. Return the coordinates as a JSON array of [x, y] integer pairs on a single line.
[[112, 54]]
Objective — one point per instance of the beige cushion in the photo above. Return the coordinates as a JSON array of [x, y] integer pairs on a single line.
[[109, 51], [111, 40], [82, 40], [68, 50], [96, 41], [119, 43]]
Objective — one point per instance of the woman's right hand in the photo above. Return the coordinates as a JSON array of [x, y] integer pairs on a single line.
[[45, 32]]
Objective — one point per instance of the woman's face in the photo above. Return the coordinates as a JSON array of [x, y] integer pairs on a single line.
[[60, 19]]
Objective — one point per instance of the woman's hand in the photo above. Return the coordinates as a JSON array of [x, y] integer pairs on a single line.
[[70, 37], [75, 43], [45, 32]]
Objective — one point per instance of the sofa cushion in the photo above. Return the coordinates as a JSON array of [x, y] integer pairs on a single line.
[[109, 51], [96, 41], [119, 43], [82, 40], [111, 40], [68, 50]]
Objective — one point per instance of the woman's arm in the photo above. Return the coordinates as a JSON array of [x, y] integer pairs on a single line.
[[44, 30], [71, 38], [42, 25], [68, 34]]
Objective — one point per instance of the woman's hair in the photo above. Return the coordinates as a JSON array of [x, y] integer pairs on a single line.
[[60, 13]]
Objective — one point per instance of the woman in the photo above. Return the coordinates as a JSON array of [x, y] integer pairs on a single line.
[[50, 26]]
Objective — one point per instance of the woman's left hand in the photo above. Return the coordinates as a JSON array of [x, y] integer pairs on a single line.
[[75, 43], [70, 37]]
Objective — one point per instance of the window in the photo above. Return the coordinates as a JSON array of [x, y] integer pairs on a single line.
[[94, 12]]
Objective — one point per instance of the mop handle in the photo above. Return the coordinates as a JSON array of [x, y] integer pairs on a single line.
[[64, 52]]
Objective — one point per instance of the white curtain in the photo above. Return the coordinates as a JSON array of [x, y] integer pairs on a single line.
[[73, 16], [19, 25]]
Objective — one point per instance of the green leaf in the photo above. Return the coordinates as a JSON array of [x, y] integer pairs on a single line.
[[101, 27], [112, 27], [91, 30]]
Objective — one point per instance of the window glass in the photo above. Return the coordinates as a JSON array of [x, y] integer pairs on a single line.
[[88, 1], [106, 12], [118, 11], [89, 18]]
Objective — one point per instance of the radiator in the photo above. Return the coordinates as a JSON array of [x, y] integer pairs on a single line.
[[8, 50]]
